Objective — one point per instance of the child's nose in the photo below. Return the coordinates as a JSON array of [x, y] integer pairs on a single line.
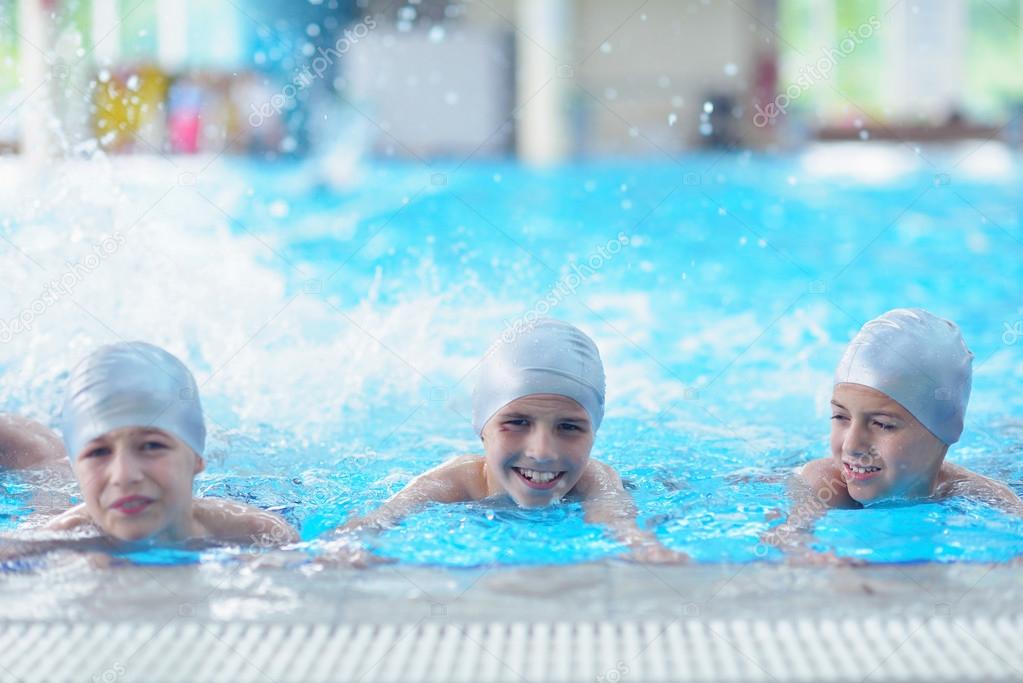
[[856, 440], [124, 468], [540, 445]]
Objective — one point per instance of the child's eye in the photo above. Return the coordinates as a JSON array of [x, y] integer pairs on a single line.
[[518, 422], [96, 452], [884, 425], [570, 427], [839, 417], [153, 445]]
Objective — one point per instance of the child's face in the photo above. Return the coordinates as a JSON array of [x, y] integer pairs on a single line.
[[137, 483], [881, 449], [537, 447]]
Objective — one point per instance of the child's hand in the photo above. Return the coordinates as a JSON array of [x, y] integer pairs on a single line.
[[350, 555], [644, 546], [655, 553]]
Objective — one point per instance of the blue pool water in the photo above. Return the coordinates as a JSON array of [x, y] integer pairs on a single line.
[[334, 330]]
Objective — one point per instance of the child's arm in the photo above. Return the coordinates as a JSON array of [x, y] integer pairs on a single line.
[[978, 487], [457, 480], [14, 548], [816, 489], [26, 443], [227, 520], [220, 519], [605, 501], [451, 482]]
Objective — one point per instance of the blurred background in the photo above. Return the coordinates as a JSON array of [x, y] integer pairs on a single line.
[[543, 81]]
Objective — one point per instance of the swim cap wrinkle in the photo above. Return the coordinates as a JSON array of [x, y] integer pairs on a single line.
[[131, 384], [920, 361], [546, 357]]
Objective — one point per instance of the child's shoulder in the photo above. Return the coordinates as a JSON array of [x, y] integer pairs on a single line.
[[597, 476], [229, 520], [72, 518], [955, 480], [825, 481], [819, 470], [460, 477]]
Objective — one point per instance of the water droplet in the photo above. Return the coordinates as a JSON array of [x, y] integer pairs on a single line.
[[672, 118], [864, 134], [133, 83], [708, 107], [731, 69], [279, 208], [437, 34], [605, 48], [312, 30]]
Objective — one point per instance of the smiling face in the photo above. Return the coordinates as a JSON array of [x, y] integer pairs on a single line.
[[881, 449], [537, 448], [137, 483]]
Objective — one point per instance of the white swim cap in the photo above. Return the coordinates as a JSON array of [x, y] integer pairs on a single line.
[[920, 361], [545, 357], [131, 384]]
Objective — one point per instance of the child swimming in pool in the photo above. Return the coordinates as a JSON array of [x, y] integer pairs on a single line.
[[898, 403], [134, 431], [537, 405]]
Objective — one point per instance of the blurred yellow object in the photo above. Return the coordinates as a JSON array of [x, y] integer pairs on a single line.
[[130, 109]]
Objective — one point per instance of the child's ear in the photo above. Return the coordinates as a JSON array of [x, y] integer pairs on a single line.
[[200, 464]]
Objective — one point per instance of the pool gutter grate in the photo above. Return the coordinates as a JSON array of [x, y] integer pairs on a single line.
[[940, 648]]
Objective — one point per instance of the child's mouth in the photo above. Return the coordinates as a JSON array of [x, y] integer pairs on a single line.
[[131, 505], [859, 472], [536, 479]]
